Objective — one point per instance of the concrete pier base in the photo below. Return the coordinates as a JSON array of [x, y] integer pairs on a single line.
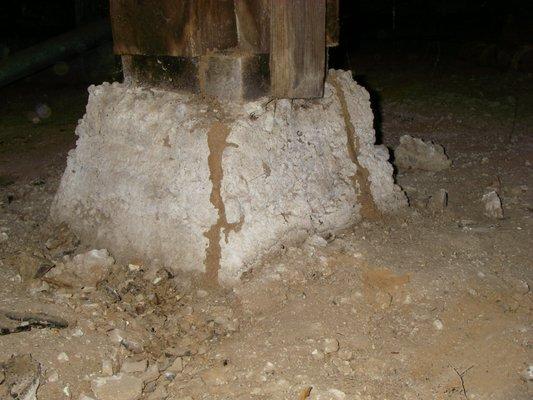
[[210, 187]]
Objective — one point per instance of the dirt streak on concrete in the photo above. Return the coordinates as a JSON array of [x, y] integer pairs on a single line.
[[360, 179], [216, 141]]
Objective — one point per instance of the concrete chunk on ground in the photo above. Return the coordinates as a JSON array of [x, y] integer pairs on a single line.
[[414, 153], [85, 269], [493, 205]]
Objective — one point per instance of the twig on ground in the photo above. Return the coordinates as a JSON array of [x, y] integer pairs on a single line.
[[461, 377]]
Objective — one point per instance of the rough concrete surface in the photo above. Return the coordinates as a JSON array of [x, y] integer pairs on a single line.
[[168, 178]]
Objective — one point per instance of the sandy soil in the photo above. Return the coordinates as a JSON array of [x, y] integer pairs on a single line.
[[424, 305]]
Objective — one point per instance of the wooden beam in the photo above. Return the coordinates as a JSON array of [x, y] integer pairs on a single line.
[[297, 48], [187, 28]]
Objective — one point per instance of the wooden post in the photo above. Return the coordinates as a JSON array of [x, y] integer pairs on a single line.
[[229, 49], [298, 48]]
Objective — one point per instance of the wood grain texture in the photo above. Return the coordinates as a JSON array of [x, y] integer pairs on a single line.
[[173, 27], [253, 24], [297, 53]]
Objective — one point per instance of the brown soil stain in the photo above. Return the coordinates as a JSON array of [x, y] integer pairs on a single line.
[[216, 141], [360, 179], [384, 279]]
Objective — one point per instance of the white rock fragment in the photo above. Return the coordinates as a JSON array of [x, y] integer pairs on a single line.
[[493, 205], [316, 241], [527, 373], [62, 357], [331, 345], [338, 394], [438, 325], [414, 153], [317, 354], [117, 387]]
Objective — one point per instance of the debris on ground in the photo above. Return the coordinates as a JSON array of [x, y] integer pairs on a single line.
[[21, 378], [25, 321], [83, 270], [493, 205], [414, 153]]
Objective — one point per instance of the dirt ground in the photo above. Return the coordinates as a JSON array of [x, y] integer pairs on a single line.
[[428, 304]]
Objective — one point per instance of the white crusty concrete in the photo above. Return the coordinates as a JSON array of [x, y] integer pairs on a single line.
[[168, 178]]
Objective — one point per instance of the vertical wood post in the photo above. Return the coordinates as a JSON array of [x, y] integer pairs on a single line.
[[297, 48]]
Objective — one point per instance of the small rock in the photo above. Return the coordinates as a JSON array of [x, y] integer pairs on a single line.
[[414, 153], [438, 324], [160, 393], [177, 366], [126, 339], [53, 376], [338, 394], [331, 345], [316, 241], [107, 367], [438, 201], [22, 377], [86, 269], [62, 357], [493, 205], [151, 374], [527, 374], [85, 397], [3, 237], [317, 354], [131, 367], [117, 387]]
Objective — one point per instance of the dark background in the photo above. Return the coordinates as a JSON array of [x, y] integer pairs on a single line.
[[364, 24]]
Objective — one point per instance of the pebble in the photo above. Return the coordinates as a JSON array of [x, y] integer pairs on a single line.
[[62, 357], [134, 366], [493, 205], [331, 345], [338, 394], [117, 387], [317, 354], [107, 367], [85, 397], [151, 374], [53, 376], [438, 324], [527, 374], [177, 366]]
